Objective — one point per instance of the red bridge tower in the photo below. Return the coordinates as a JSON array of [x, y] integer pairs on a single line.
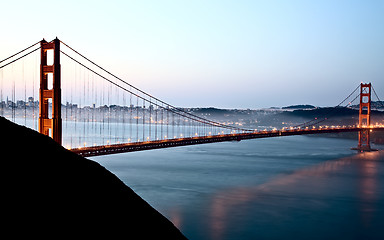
[[50, 91], [364, 117]]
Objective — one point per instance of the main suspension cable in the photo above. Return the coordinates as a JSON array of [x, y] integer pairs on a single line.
[[170, 107], [152, 97], [19, 58], [19, 52], [331, 110], [380, 102], [121, 87]]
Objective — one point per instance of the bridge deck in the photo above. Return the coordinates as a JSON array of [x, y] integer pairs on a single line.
[[140, 146]]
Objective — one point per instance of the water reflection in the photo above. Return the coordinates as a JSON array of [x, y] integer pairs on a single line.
[[331, 186], [368, 187], [175, 217]]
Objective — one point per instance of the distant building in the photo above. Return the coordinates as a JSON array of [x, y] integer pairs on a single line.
[[70, 105], [20, 103], [31, 102]]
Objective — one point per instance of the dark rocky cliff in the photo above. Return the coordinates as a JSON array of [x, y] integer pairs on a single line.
[[50, 192]]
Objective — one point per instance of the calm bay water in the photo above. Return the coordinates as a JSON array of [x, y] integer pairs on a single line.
[[295, 187]]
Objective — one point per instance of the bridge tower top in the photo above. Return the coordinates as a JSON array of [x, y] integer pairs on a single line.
[[365, 105]]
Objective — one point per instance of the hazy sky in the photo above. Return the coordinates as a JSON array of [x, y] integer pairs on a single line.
[[231, 54]]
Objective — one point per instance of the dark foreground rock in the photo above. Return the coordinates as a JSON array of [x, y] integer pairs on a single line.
[[50, 192]]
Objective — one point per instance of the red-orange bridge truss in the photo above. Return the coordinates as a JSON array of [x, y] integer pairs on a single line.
[[140, 146]]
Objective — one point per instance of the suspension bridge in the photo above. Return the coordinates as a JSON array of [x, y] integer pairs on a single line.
[[91, 111]]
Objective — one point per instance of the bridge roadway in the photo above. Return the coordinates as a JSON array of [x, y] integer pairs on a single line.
[[140, 146]]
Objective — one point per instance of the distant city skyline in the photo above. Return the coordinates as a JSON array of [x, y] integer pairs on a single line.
[[32, 102], [224, 54]]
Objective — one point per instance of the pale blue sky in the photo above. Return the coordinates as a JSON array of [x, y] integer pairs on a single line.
[[231, 54]]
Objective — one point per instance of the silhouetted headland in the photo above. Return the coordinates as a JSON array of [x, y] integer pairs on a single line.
[[51, 192]]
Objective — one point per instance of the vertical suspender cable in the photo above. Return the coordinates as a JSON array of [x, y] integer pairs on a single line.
[[150, 119], [156, 124], [143, 120], [167, 136], [162, 122], [137, 119], [130, 117], [25, 96]]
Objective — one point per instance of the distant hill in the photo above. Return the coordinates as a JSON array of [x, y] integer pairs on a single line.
[[325, 112], [337, 114], [374, 105], [210, 110], [299, 107]]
